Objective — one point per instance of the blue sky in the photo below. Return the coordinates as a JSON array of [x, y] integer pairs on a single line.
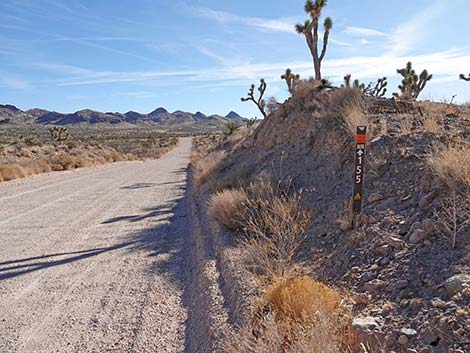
[[201, 55]]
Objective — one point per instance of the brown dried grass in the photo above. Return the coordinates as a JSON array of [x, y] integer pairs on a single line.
[[350, 107], [451, 165], [297, 315], [275, 227], [204, 167], [227, 207]]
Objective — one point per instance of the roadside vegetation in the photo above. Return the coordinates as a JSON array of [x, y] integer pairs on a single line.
[[328, 281], [26, 151]]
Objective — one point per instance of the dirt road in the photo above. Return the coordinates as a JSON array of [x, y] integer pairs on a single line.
[[94, 260]]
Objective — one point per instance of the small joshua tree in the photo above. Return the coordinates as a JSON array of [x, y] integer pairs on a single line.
[[371, 90], [310, 30], [379, 89], [59, 133], [356, 84], [291, 80], [249, 122], [260, 103], [231, 128], [465, 78], [411, 85]]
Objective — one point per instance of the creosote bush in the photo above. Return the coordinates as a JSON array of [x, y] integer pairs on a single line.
[[227, 207]]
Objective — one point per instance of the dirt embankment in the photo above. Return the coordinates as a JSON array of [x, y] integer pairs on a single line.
[[399, 267]]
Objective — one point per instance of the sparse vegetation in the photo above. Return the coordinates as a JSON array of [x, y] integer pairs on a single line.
[[259, 102], [205, 166], [227, 207], [350, 107], [296, 315], [451, 165], [59, 133], [231, 127], [310, 30], [250, 122], [412, 85], [291, 80], [28, 152]]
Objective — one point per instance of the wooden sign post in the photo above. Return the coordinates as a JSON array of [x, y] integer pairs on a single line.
[[359, 169]]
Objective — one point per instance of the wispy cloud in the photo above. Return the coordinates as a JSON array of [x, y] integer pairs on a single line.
[[365, 32], [408, 33], [441, 64], [262, 24], [15, 83]]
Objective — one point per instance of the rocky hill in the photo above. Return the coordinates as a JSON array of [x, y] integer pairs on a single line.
[[404, 262], [160, 118]]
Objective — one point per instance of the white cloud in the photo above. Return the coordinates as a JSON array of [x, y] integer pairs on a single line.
[[407, 34], [262, 24], [16, 83], [445, 64], [366, 32]]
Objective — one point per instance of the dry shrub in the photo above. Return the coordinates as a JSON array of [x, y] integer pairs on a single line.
[[275, 227], [451, 165], [453, 215], [67, 161], [11, 171], [227, 207], [298, 299], [350, 106], [298, 315], [37, 166], [204, 167]]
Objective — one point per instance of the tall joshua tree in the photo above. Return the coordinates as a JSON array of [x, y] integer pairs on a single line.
[[463, 77], [260, 102], [291, 80], [310, 30], [412, 84]]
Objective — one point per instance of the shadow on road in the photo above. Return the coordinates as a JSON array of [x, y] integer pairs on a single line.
[[164, 242]]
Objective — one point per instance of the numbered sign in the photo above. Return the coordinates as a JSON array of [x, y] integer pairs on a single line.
[[359, 169]]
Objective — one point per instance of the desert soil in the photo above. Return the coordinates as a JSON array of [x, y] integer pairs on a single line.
[[93, 260]]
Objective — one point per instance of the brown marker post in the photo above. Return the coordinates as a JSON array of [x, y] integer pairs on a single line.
[[359, 169]]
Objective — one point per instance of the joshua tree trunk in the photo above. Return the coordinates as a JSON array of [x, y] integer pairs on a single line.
[[310, 30]]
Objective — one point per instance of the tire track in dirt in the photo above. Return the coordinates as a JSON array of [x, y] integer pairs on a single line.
[[105, 269]]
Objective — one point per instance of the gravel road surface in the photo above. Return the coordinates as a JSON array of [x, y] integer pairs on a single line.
[[93, 260]]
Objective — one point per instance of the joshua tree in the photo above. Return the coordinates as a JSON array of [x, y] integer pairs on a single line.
[[231, 128], [371, 90], [310, 30], [249, 122], [59, 133], [378, 90], [291, 80], [411, 85], [260, 103], [356, 84], [463, 77]]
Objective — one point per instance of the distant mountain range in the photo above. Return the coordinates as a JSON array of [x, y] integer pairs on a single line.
[[160, 118]]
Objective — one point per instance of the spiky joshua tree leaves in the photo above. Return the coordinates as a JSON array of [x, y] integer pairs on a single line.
[[372, 90], [291, 80], [310, 30], [412, 84], [465, 78], [59, 133], [260, 102]]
